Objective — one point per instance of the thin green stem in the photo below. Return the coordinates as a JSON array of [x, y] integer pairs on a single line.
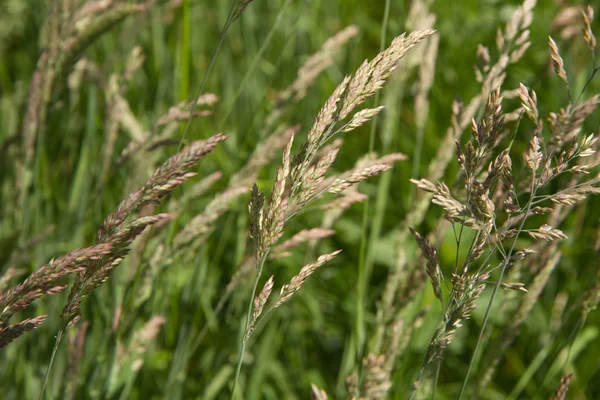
[[425, 364], [590, 79], [238, 369], [364, 266], [435, 379], [210, 66], [255, 62], [52, 357], [184, 58], [486, 317]]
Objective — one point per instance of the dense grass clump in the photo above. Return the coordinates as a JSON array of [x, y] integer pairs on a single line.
[[223, 200]]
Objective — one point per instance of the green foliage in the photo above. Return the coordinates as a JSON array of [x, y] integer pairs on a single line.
[[166, 325]]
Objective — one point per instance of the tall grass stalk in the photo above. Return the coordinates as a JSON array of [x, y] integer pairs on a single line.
[[228, 21], [364, 265]]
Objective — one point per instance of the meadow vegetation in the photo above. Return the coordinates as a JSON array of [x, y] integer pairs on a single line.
[[278, 199]]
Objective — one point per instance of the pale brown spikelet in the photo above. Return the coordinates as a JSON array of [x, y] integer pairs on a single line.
[[362, 117], [483, 54], [359, 175], [259, 304], [202, 224], [335, 144], [397, 340], [303, 236], [480, 206], [370, 76], [514, 41], [425, 185], [529, 103], [568, 21], [588, 35], [351, 92], [465, 291], [317, 393], [173, 167], [557, 62], [541, 210], [546, 232], [326, 117], [499, 168], [506, 174], [118, 112], [65, 39], [165, 178], [371, 159], [582, 112], [335, 208], [8, 333], [314, 177], [277, 207], [487, 131], [583, 169], [99, 272], [7, 276], [44, 279], [340, 38], [521, 254], [186, 110], [288, 290], [264, 153], [197, 190], [129, 232], [142, 338], [477, 248], [522, 44], [317, 63], [561, 391], [567, 198], [345, 201], [256, 210], [261, 299], [558, 311], [585, 148], [454, 210], [533, 156], [352, 386], [134, 62], [514, 286], [566, 124], [433, 262], [427, 66], [520, 20], [376, 382], [114, 233], [125, 117]]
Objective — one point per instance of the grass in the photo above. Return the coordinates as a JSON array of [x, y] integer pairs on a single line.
[[170, 297]]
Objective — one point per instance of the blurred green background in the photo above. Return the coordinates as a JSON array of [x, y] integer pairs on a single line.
[[309, 339]]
